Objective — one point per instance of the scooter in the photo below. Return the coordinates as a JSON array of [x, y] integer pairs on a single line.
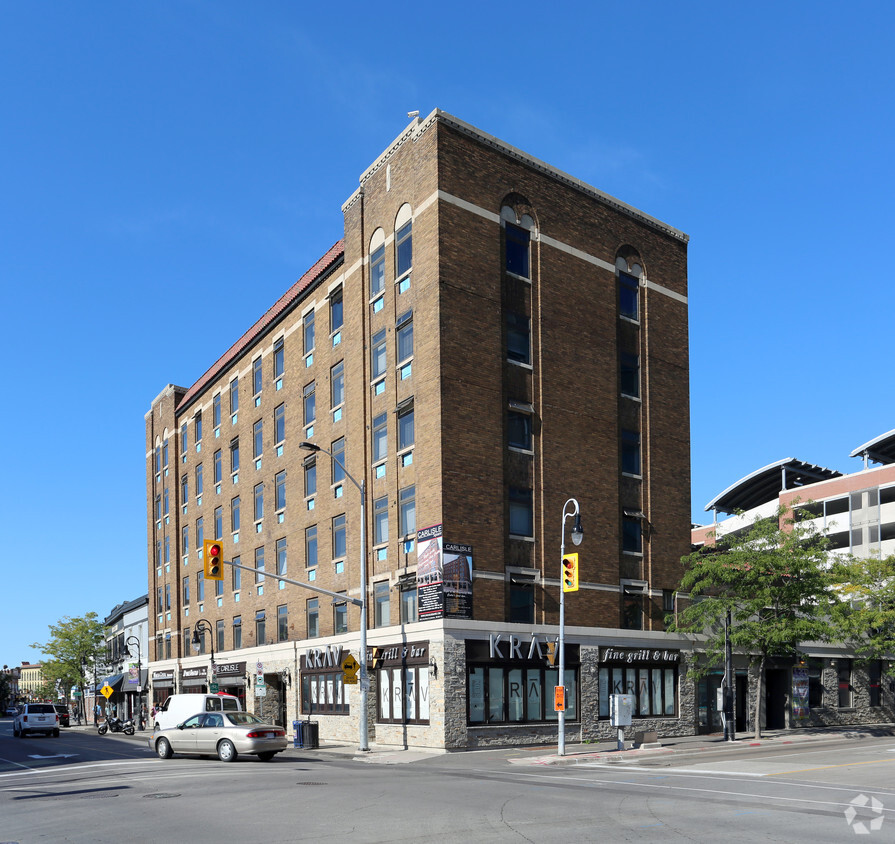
[[116, 725]]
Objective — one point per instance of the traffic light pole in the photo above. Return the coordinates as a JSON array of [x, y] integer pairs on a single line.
[[364, 681], [341, 596], [561, 714]]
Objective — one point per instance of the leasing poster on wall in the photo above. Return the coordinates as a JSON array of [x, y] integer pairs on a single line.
[[443, 576], [429, 573], [457, 568]]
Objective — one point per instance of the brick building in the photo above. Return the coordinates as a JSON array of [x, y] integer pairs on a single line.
[[490, 338]]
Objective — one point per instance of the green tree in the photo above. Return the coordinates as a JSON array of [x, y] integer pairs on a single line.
[[75, 644], [774, 579], [5, 690], [865, 617]]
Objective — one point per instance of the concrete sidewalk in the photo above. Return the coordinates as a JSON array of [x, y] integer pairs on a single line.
[[576, 754], [605, 751]]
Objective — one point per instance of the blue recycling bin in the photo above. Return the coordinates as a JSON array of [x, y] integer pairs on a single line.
[[297, 734]]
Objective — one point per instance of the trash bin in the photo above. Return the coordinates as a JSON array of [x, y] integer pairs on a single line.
[[296, 734], [310, 735]]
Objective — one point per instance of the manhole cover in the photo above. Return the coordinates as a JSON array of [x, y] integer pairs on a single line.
[[161, 795]]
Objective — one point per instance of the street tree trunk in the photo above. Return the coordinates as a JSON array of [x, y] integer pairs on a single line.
[[758, 696]]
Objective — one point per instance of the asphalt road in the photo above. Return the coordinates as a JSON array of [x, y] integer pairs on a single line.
[[83, 787]]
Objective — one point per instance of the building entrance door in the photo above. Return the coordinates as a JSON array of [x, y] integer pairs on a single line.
[[777, 681]]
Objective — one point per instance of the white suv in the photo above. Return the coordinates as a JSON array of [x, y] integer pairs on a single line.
[[36, 718]]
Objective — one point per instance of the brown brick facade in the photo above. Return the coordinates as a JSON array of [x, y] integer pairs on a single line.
[[461, 383]]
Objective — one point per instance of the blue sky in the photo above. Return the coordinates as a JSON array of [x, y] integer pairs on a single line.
[[187, 157]]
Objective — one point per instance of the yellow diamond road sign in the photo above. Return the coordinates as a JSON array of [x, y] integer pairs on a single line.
[[350, 665], [107, 690]]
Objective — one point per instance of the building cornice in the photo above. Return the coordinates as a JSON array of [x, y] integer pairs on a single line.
[[419, 125]]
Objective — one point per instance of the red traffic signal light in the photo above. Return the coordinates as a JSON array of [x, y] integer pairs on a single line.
[[570, 573], [213, 559]]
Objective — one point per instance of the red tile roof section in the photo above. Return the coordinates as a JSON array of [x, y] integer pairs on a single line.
[[333, 256]]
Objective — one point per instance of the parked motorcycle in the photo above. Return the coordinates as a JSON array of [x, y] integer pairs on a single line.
[[116, 725]]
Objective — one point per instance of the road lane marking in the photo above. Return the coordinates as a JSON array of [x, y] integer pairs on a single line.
[[827, 767], [640, 768], [55, 769], [741, 795], [10, 762]]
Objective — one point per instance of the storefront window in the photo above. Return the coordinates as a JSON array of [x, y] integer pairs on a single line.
[[875, 672], [652, 685], [845, 686], [323, 694], [402, 676], [815, 683], [404, 695], [517, 690], [476, 683]]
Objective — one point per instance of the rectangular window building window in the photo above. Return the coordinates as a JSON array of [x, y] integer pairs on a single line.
[[283, 623], [521, 512], [309, 403], [518, 338], [279, 424], [407, 510], [339, 537], [257, 377], [313, 618], [381, 614]]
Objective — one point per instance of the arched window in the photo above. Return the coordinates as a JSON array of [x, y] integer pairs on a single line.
[[518, 225], [630, 271]]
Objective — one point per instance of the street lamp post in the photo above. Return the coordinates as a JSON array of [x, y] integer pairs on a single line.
[[136, 641], [362, 604], [197, 642], [577, 536]]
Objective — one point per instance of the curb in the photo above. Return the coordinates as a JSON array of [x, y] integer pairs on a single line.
[[622, 756]]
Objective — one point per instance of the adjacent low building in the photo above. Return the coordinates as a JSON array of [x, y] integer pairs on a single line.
[[825, 684], [31, 681], [127, 656], [490, 338]]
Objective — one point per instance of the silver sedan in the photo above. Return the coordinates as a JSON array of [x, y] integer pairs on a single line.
[[225, 733]]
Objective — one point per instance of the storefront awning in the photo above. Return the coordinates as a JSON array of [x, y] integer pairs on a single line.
[[114, 681]]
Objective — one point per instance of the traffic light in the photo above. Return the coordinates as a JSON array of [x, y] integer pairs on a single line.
[[570, 573], [213, 559]]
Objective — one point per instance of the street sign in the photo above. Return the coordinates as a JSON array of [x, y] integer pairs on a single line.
[[107, 690], [350, 667], [214, 688], [559, 698]]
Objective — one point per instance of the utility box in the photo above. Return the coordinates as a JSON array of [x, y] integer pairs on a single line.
[[621, 710]]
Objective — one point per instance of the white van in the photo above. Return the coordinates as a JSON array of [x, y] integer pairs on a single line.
[[177, 708]]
